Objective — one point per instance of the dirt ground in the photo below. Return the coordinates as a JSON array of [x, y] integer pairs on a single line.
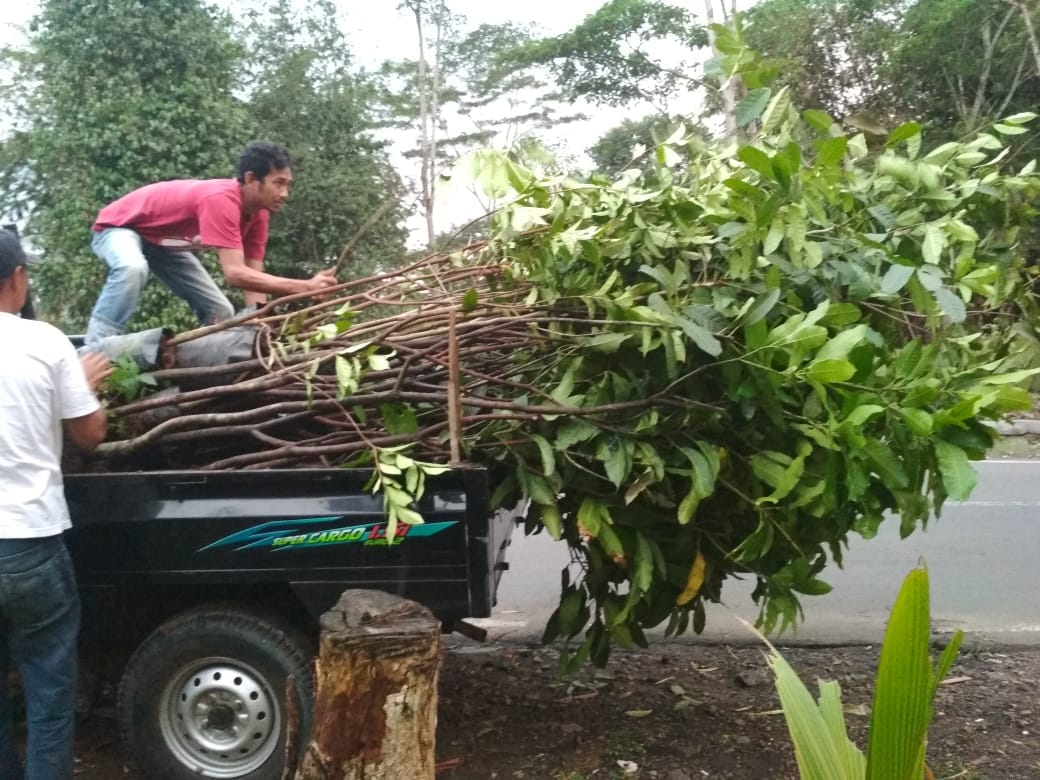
[[680, 711]]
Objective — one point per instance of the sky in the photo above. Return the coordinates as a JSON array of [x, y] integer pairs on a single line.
[[379, 31]]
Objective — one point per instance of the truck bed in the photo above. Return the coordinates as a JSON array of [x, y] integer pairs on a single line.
[[301, 535]]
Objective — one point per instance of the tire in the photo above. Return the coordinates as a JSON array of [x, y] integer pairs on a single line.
[[203, 696]]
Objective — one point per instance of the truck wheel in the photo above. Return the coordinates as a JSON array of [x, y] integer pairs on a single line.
[[203, 696]]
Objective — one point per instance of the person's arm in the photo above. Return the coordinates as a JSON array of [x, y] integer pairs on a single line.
[[248, 277], [89, 430], [253, 297]]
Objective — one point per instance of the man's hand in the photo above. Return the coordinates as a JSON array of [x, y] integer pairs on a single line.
[[96, 367], [322, 279]]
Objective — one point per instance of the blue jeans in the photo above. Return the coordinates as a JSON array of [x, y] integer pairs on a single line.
[[39, 624], [129, 259]]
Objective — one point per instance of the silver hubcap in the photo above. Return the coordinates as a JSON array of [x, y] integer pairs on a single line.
[[219, 718]]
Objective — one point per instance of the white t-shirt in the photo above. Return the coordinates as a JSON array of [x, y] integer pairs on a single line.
[[41, 383]]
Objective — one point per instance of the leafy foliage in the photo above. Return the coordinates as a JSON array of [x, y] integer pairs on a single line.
[[829, 330]]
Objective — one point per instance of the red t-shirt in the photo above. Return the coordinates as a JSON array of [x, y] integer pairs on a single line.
[[189, 213]]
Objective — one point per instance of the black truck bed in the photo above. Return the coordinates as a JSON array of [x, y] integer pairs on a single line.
[[290, 539]]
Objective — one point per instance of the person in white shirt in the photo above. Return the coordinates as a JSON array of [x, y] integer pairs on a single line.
[[46, 392]]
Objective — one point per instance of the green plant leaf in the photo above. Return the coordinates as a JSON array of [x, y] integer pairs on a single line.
[[958, 476], [902, 702], [832, 151], [757, 160], [752, 105], [903, 133], [820, 756], [829, 371], [818, 120], [895, 278], [951, 305]]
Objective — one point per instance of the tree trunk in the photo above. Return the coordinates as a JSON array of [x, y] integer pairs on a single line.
[[426, 121], [729, 86], [1027, 20], [375, 708]]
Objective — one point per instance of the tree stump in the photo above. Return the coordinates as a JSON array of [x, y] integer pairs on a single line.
[[375, 706]]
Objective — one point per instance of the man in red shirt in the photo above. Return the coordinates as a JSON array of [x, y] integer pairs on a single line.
[[156, 227]]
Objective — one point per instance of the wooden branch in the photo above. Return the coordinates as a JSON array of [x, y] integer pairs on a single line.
[[454, 407]]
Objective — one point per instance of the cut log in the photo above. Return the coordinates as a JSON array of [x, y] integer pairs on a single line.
[[375, 707]]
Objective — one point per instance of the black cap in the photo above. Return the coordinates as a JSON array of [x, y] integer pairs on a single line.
[[11, 254]]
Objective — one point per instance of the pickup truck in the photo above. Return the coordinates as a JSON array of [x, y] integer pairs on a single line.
[[202, 591]]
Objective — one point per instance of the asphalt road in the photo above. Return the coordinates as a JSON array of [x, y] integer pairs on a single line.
[[983, 557]]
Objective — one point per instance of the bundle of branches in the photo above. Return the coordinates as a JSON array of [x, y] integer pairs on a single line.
[[372, 366], [722, 367]]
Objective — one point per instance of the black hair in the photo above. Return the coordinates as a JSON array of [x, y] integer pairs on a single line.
[[260, 158], [11, 253]]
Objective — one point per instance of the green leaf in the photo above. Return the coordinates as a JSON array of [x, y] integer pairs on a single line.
[[590, 516], [820, 755], [702, 337], [861, 414], [607, 343], [902, 704], [895, 278], [958, 476], [887, 464], [761, 307], [688, 507], [1020, 118], [902, 133], [345, 378], [753, 104], [470, 299], [832, 151], [818, 120], [778, 108], [757, 160], [1010, 378], [615, 460], [546, 452], [779, 471], [840, 346], [552, 520], [1006, 129], [934, 243], [829, 371], [951, 305], [378, 362], [919, 421], [574, 431]]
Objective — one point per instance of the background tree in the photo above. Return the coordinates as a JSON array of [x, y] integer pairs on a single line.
[[465, 97], [606, 59], [112, 96], [612, 153], [830, 52], [959, 66], [953, 65]]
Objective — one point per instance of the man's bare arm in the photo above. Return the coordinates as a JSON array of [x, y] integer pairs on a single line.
[[239, 273], [89, 430], [254, 297]]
